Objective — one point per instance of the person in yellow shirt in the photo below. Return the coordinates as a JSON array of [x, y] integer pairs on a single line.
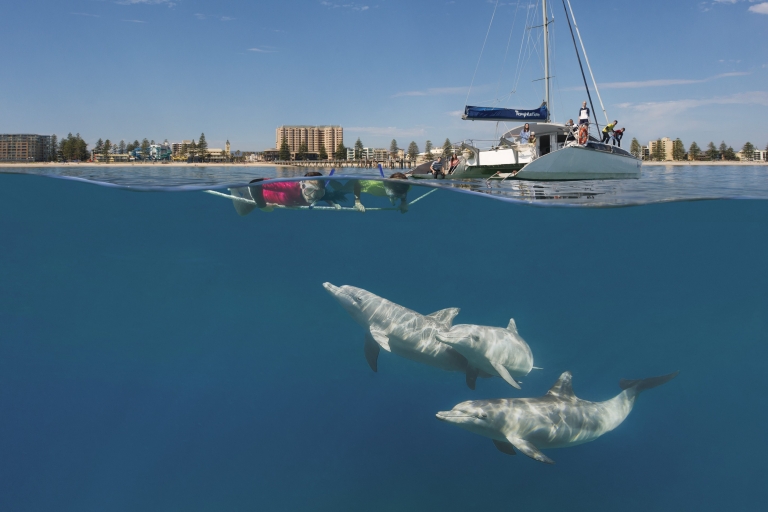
[[607, 131]]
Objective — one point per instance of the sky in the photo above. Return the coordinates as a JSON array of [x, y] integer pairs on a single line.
[[382, 69]]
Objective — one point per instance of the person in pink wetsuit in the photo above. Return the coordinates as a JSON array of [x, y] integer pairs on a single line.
[[289, 193]]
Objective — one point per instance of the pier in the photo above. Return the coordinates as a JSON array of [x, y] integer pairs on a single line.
[[337, 164]]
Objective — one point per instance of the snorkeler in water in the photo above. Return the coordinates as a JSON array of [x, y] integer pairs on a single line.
[[289, 193], [393, 190]]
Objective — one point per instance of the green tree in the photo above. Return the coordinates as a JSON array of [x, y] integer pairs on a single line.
[[678, 150], [99, 147], [635, 148], [341, 152], [428, 149], [748, 151], [694, 151], [729, 154], [202, 147], [184, 149], [301, 154], [145, 149], [447, 148], [722, 149], [712, 153], [393, 149], [323, 154], [53, 156], [658, 152], [193, 149], [105, 150], [413, 150], [358, 149], [285, 150], [121, 147]]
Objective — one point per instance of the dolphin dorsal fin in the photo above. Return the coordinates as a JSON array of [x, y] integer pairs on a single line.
[[563, 388], [445, 316], [512, 326]]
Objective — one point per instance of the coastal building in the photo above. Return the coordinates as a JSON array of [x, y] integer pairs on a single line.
[[176, 147], [111, 158], [666, 147], [380, 154], [350, 153], [315, 137], [25, 148], [757, 156], [645, 153]]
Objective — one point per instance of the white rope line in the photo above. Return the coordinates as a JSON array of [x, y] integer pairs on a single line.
[[481, 52]]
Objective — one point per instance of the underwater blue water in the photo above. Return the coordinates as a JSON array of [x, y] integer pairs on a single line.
[[159, 352]]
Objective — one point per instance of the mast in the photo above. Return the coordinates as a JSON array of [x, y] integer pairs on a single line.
[[546, 55]]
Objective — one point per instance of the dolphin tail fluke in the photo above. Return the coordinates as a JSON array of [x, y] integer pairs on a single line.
[[242, 208], [641, 385], [372, 350], [472, 374]]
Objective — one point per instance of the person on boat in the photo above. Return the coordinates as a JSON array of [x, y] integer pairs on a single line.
[[378, 188], [289, 193], [617, 136], [525, 134], [569, 136], [607, 131], [453, 164], [437, 168], [584, 113], [532, 142]]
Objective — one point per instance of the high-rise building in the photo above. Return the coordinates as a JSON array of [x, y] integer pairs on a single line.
[[25, 148], [666, 147], [176, 147], [315, 137]]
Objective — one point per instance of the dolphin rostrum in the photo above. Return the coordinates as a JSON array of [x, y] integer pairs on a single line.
[[400, 330], [493, 350], [556, 420]]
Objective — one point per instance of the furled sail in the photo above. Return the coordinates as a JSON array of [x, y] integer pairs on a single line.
[[505, 114]]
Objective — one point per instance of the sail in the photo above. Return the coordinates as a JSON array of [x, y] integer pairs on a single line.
[[505, 114]]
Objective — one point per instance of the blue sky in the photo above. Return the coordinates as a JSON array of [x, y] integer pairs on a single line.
[[383, 69]]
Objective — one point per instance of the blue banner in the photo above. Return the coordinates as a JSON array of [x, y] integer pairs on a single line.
[[504, 114]]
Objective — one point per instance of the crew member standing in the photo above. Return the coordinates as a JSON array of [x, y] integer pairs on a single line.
[[608, 130], [584, 114]]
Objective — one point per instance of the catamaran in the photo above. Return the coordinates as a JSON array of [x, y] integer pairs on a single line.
[[559, 152]]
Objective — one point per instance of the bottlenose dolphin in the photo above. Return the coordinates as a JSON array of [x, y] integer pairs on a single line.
[[400, 330], [556, 420], [494, 350]]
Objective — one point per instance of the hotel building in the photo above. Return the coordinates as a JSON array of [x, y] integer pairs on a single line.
[[25, 148], [315, 138], [666, 147]]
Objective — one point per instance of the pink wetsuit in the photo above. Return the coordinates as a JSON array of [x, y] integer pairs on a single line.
[[285, 193]]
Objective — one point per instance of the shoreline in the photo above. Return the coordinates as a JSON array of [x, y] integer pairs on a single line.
[[270, 164]]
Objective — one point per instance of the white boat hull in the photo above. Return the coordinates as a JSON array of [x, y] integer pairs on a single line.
[[580, 163]]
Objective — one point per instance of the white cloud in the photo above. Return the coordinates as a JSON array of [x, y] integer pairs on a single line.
[[169, 3], [134, 21], [434, 91], [668, 109], [85, 14], [199, 16], [352, 6], [227, 18], [264, 49], [761, 8], [666, 82]]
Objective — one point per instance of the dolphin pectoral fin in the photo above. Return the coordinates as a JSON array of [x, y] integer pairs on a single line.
[[445, 316], [372, 350], [381, 339], [472, 374], [504, 374], [528, 449], [505, 447]]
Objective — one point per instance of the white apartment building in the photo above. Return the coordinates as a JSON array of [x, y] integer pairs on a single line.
[[315, 137], [176, 147], [666, 147]]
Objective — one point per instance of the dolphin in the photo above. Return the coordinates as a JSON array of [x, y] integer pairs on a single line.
[[494, 350], [556, 420], [400, 330]]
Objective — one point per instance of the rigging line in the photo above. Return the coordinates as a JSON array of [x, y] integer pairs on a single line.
[[583, 76], [481, 52], [586, 58], [506, 53], [526, 32]]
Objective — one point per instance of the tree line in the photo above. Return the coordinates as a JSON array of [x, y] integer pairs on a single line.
[[302, 152], [74, 148], [713, 152]]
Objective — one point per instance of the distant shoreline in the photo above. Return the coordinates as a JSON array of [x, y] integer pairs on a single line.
[[270, 164]]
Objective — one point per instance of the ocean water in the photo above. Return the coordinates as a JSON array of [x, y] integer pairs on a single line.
[[160, 352]]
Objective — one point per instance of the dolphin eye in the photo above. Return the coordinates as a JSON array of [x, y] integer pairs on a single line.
[[359, 298]]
